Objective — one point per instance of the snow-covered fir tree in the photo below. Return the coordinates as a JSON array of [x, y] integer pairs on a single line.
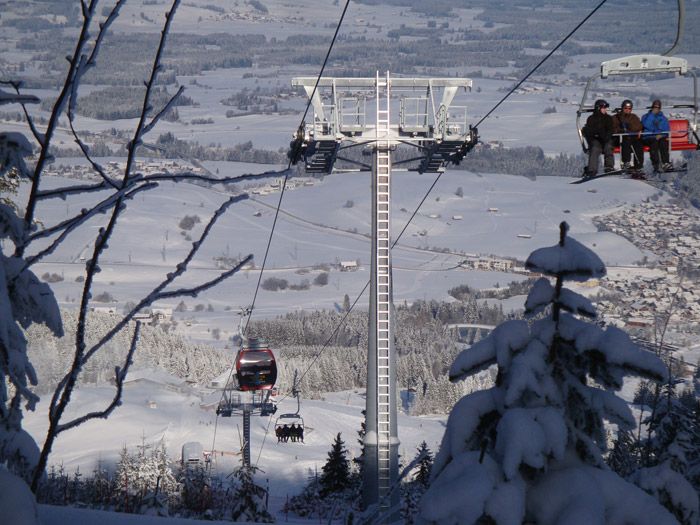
[[669, 459], [335, 492], [412, 491], [160, 487], [336, 472], [359, 460], [425, 464], [196, 493], [308, 502], [24, 301], [529, 449], [624, 456], [124, 487], [249, 499], [144, 482]]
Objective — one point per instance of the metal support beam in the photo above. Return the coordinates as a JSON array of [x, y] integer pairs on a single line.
[[234, 403], [381, 439], [442, 139], [643, 64], [246, 437]]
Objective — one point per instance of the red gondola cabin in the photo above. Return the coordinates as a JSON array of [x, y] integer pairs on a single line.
[[255, 366]]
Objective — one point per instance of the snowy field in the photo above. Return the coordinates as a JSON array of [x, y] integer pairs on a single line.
[[316, 228], [177, 418]]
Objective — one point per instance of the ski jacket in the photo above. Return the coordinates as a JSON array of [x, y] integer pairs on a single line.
[[598, 127], [627, 123], [657, 124]]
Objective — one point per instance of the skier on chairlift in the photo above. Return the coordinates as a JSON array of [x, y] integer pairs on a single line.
[[629, 128], [656, 129], [599, 135]]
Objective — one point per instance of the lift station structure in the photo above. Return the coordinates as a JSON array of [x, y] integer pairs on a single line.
[[441, 135]]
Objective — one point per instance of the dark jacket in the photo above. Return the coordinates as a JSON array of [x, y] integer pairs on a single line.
[[598, 127], [657, 124], [627, 123]]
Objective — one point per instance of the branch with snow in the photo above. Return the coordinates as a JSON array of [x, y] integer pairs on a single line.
[[23, 100], [157, 293], [86, 153], [63, 192], [67, 226], [58, 107], [167, 107], [146, 108], [554, 390], [119, 377]]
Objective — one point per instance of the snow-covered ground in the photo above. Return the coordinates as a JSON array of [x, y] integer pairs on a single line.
[[153, 410], [316, 228]]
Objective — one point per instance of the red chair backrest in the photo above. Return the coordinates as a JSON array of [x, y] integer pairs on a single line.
[[679, 130]]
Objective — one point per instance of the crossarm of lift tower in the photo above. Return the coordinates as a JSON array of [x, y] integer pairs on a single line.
[[427, 119]]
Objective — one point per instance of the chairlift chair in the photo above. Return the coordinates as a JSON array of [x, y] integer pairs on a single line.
[[683, 134], [287, 420], [290, 419]]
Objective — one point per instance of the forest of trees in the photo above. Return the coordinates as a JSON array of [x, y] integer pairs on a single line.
[[424, 349], [147, 481], [158, 348]]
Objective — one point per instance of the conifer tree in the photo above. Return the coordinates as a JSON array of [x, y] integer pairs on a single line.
[[336, 471], [359, 460], [124, 482], [196, 495], [671, 455], [425, 464], [624, 456], [412, 492], [529, 449], [249, 499]]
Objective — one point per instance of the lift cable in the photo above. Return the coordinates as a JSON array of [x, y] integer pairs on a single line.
[[293, 154], [420, 204], [313, 362], [297, 146], [546, 57]]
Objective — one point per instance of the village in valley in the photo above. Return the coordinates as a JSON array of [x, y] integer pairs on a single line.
[[666, 284]]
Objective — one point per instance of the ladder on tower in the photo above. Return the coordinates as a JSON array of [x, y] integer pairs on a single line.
[[384, 333]]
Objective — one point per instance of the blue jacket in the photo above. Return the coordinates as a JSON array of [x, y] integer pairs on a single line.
[[655, 124]]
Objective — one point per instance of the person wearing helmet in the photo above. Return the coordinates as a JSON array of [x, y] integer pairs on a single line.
[[629, 128], [656, 129], [599, 135]]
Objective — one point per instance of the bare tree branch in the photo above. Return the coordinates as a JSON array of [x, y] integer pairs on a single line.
[[86, 153], [195, 290], [147, 301], [135, 142], [119, 377], [104, 26], [180, 269], [30, 121], [163, 111], [86, 63], [160, 177], [71, 224], [88, 12]]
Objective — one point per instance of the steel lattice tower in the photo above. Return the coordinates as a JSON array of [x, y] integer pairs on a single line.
[[339, 122]]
